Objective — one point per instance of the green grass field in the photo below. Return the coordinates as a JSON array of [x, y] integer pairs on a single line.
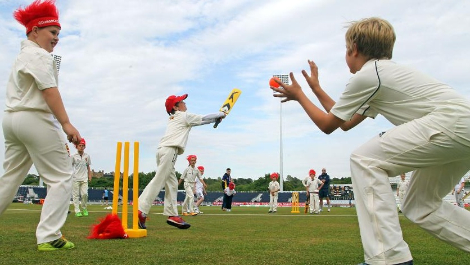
[[243, 236]]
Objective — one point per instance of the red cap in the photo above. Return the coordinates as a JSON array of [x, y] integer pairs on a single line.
[[38, 14], [274, 175], [311, 172], [201, 168], [172, 100], [191, 157]]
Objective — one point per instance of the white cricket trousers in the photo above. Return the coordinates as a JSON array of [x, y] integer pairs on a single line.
[[459, 198], [273, 202], [79, 188], [314, 202], [165, 176], [401, 198], [188, 203], [37, 138], [438, 161]]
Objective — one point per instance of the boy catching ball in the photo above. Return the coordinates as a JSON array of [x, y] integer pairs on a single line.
[[431, 138]]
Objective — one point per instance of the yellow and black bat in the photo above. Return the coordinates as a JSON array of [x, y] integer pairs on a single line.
[[307, 204], [228, 104], [466, 196]]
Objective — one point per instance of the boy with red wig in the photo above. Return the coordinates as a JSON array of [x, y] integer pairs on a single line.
[[81, 162], [189, 176], [33, 101], [200, 191], [171, 145], [274, 189]]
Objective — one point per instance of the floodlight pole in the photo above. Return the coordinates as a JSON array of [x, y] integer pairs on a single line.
[[284, 79]]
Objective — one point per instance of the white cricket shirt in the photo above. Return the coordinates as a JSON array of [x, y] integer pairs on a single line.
[[190, 174], [274, 186], [80, 165], [178, 128], [33, 70], [402, 94]]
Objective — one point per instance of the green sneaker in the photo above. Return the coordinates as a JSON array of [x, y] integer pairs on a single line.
[[79, 214], [85, 212], [57, 244]]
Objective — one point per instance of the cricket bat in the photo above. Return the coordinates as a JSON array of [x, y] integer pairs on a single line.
[[307, 204], [228, 104], [466, 196]]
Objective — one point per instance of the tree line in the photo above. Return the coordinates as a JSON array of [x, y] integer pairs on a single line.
[[213, 184]]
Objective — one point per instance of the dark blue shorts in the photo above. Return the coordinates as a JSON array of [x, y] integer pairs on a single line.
[[323, 194]]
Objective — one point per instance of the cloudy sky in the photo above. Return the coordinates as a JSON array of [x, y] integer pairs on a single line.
[[122, 59]]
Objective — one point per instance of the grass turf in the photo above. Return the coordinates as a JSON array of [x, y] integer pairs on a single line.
[[247, 235]]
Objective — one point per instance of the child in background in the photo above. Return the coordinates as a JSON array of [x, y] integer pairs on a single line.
[[230, 192], [402, 186], [190, 174], [106, 196], [313, 186], [273, 188], [81, 162], [459, 191], [200, 191], [431, 137]]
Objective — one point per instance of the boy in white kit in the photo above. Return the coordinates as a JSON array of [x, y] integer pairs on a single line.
[[402, 186], [431, 137], [171, 145], [200, 191], [34, 122], [81, 162], [274, 189], [459, 191], [313, 186], [190, 174]]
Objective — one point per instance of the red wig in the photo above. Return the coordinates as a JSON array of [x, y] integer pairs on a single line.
[[274, 175], [110, 227], [191, 157], [39, 13]]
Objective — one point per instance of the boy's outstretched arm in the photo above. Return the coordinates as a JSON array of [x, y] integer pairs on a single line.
[[211, 118], [326, 101], [326, 122]]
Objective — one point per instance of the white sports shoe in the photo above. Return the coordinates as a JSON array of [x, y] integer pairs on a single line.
[[328, 209]]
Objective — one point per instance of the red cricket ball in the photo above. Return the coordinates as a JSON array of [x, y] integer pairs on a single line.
[[272, 82]]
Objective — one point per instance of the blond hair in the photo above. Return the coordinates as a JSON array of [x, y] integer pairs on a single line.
[[374, 38]]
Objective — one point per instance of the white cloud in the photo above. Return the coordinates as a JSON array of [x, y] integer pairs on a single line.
[[121, 59]]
